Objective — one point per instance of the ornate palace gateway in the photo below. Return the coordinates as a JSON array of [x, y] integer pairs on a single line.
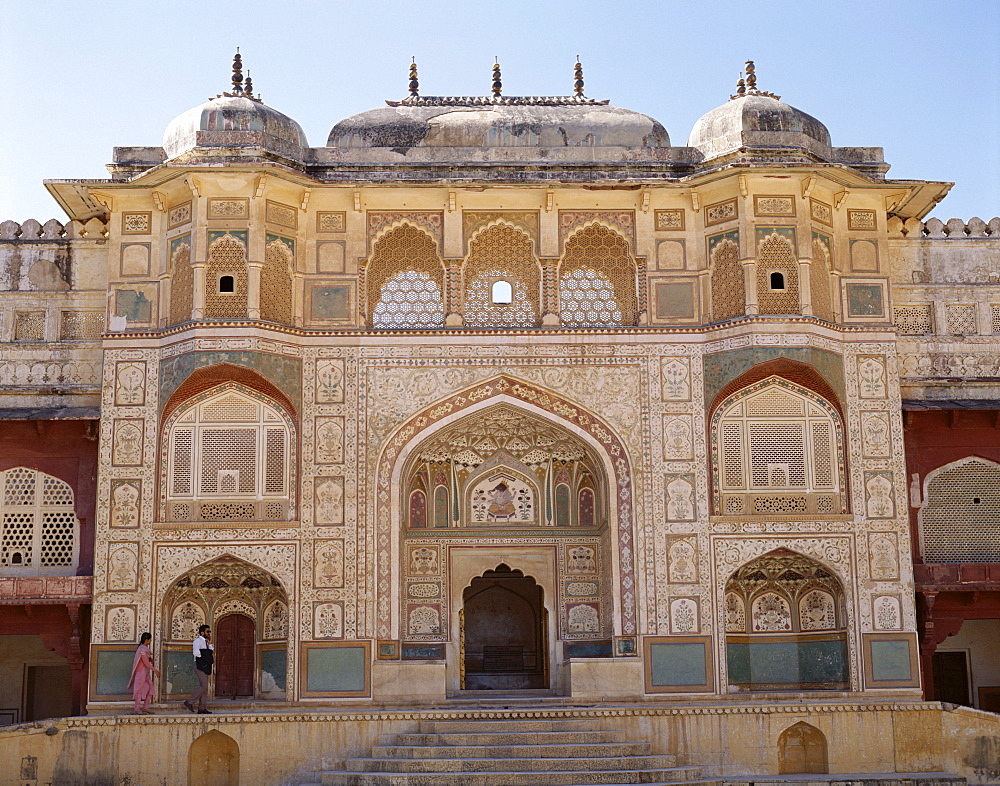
[[508, 397]]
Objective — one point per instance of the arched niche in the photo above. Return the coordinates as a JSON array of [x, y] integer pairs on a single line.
[[802, 748], [214, 760], [413, 557], [503, 467], [238, 600], [786, 625]]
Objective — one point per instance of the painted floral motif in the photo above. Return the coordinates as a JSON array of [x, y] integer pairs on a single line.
[[684, 616], [583, 618], [328, 621]]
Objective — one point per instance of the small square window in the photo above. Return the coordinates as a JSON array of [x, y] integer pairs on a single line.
[[778, 281], [227, 284]]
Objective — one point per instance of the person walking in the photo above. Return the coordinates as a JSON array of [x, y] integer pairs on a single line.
[[204, 657], [141, 681]]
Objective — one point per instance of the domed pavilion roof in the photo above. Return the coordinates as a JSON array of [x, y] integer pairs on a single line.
[[498, 121], [235, 120], [753, 118]]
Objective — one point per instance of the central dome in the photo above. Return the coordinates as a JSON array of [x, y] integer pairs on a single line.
[[498, 122]]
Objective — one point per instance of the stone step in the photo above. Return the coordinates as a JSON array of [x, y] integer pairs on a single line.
[[672, 776], [489, 764], [511, 738], [507, 725], [850, 779], [579, 749]]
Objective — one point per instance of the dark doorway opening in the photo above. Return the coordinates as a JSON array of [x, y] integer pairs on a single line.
[[951, 677], [234, 656], [504, 632]]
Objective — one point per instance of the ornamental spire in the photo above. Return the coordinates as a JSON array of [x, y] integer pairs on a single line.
[[748, 87], [497, 82], [414, 82], [578, 76], [237, 73]]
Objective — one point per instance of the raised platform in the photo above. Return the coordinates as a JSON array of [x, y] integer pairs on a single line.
[[728, 743]]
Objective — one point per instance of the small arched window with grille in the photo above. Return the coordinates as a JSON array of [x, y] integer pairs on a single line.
[[39, 531], [778, 450], [229, 456]]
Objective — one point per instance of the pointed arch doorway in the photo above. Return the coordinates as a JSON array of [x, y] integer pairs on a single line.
[[504, 632]]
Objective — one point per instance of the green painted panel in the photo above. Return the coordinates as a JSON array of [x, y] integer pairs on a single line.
[[678, 665], [335, 669], [891, 661], [114, 669], [284, 372], [722, 368], [178, 673], [274, 670], [787, 662]]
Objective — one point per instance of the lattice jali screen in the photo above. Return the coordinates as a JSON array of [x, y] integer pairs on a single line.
[[820, 272], [233, 451], [501, 252], [29, 326], [38, 526], [961, 319], [728, 290], [276, 283], [405, 281], [913, 320], [960, 520], [776, 255], [773, 440], [597, 280], [81, 325], [226, 256], [181, 284], [995, 318]]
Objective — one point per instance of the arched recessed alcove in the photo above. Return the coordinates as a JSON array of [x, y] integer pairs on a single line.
[[802, 749], [247, 609], [786, 625], [214, 760]]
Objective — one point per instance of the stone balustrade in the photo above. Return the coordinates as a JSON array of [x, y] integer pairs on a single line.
[[53, 230], [936, 229]]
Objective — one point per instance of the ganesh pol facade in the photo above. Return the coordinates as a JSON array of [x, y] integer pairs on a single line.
[[506, 397]]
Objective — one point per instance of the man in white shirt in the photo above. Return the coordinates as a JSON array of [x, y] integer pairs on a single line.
[[204, 656]]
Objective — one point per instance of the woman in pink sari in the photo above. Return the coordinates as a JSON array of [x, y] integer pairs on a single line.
[[142, 676]]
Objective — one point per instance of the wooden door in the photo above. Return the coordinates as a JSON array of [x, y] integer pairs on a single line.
[[951, 677], [234, 656]]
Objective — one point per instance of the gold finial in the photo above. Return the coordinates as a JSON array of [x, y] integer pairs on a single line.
[[578, 76], [237, 73], [248, 87], [414, 83], [741, 86], [751, 77], [497, 83]]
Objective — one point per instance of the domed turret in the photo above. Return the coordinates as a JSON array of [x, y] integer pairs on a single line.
[[753, 118], [432, 126], [235, 120]]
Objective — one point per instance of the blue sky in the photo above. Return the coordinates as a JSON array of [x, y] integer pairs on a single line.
[[919, 79]]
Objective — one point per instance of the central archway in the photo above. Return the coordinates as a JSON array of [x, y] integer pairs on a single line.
[[504, 632]]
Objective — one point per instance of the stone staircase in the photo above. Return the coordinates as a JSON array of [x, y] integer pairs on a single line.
[[511, 753]]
